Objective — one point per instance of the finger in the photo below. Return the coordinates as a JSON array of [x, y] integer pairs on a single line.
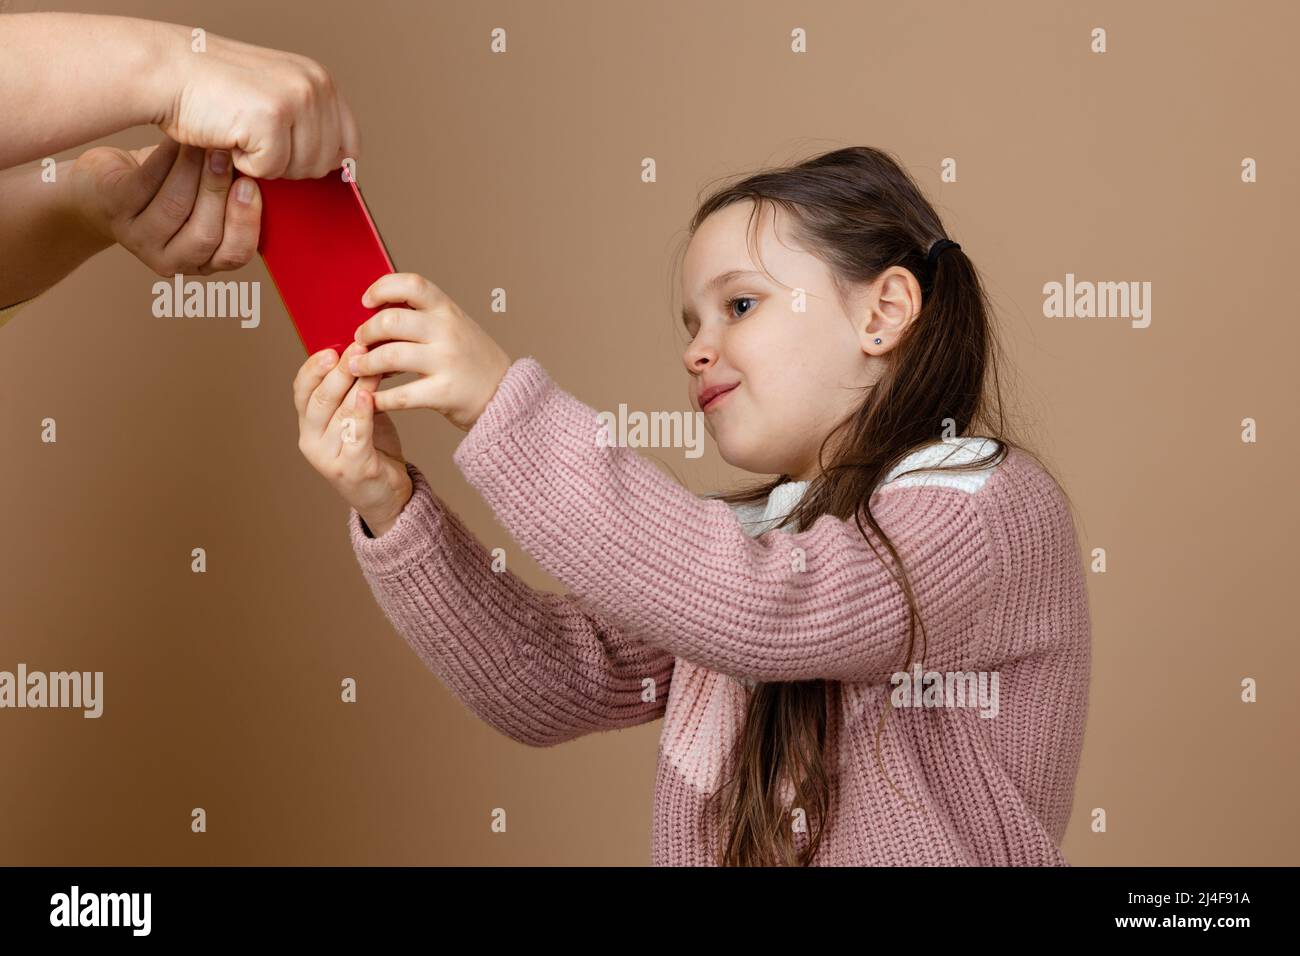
[[266, 151], [328, 122], [171, 207], [327, 396], [242, 227], [390, 357], [340, 431], [305, 136], [414, 290], [390, 324], [144, 182], [201, 235], [410, 395], [359, 407], [311, 374], [349, 132]]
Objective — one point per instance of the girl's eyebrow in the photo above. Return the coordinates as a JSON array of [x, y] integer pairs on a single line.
[[721, 279]]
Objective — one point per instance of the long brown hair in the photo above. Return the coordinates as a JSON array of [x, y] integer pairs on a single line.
[[858, 210]]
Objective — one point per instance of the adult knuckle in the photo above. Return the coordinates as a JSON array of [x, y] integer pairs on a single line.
[[174, 207], [213, 183], [206, 242], [303, 89], [316, 73], [231, 258], [279, 111]]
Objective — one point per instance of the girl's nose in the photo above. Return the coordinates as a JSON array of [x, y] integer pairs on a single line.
[[699, 356]]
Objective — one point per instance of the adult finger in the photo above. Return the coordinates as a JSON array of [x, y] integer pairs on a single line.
[[349, 132], [200, 236], [267, 151], [143, 183], [242, 227], [305, 135], [171, 207], [329, 147]]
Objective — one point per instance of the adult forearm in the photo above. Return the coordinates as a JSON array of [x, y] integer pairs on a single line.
[[43, 238], [69, 78]]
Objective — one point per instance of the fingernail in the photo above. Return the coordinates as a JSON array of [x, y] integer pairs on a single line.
[[244, 190], [328, 359], [354, 366], [219, 161]]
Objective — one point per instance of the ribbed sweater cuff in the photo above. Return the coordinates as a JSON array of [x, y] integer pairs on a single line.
[[416, 533], [518, 398]]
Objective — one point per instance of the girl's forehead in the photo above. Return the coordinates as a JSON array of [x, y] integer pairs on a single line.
[[725, 241]]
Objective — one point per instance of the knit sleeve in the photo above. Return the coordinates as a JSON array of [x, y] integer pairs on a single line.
[[534, 665], [679, 572]]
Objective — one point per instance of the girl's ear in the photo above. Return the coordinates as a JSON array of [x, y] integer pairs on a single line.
[[887, 308]]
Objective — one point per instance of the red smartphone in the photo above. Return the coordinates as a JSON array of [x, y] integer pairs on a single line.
[[323, 251]]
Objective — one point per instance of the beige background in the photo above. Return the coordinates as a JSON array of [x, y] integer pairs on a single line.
[[522, 171]]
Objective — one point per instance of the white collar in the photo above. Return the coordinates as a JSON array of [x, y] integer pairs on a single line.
[[757, 517]]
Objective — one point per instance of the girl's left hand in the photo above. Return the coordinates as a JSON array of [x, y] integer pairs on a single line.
[[460, 365]]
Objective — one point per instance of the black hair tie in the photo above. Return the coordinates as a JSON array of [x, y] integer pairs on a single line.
[[937, 250]]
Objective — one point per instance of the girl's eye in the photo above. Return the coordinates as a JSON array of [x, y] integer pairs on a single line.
[[740, 298]]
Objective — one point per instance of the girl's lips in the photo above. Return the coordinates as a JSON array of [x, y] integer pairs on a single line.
[[717, 397]]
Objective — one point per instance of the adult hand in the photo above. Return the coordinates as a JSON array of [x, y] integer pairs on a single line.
[[278, 113], [171, 206]]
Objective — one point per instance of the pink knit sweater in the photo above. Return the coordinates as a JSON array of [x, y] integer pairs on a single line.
[[677, 604]]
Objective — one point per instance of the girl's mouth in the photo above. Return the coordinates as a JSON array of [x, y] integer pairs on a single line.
[[718, 397]]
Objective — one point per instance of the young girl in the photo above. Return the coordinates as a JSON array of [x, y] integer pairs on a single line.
[[802, 639]]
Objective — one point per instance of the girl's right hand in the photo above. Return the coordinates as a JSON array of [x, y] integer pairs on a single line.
[[357, 450]]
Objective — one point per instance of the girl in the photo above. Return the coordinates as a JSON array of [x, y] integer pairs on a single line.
[[801, 638]]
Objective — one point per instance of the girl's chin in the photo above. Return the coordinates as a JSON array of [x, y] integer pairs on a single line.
[[744, 458]]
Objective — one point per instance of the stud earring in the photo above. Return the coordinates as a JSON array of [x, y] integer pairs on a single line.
[[877, 341]]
